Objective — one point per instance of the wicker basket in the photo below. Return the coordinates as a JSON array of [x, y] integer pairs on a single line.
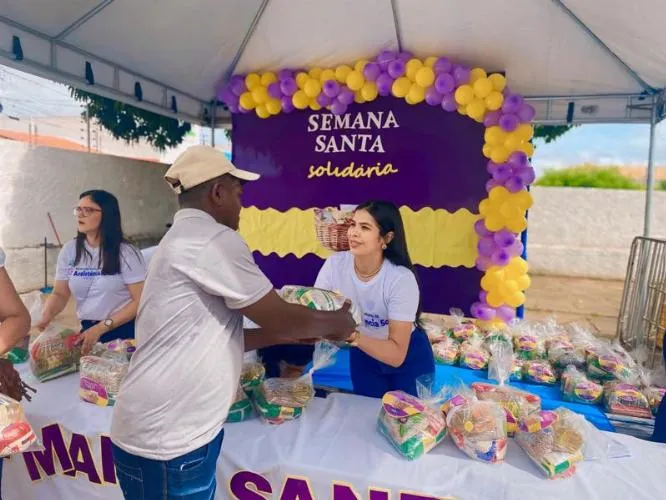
[[332, 234]]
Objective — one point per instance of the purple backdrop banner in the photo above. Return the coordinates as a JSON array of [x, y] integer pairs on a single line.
[[418, 156]]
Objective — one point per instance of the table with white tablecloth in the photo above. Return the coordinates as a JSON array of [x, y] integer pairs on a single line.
[[333, 451]]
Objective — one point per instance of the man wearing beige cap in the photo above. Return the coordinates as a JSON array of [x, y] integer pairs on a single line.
[[167, 422]]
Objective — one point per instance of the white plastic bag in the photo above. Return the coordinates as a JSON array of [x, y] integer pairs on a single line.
[[16, 433], [55, 352]]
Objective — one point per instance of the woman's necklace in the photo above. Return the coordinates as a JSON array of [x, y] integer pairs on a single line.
[[369, 276]]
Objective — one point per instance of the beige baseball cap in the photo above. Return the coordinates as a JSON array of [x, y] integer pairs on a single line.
[[199, 164]]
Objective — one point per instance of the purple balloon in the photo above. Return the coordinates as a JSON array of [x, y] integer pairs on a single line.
[[449, 103], [506, 92], [287, 104], [442, 65], [384, 84], [492, 183], [482, 311], [244, 110], [461, 74], [492, 118], [490, 168], [480, 228], [338, 107], [283, 74], [483, 296], [372, 71], [237, 85], [519, 159], [274, 90], [504, 238], [516, 248], [500, 258], [486, 246], [502, 173], [483, 263], [384, 58], [514, 184], [323, 100], [445, 83], [225, 94], [288, 86], [331, 88], [396, 68], [234, 108], [512, 103], [526, 174], [346, 96], [433, 97], [405, 56], [505, 313], [509, 122], [526, 113]]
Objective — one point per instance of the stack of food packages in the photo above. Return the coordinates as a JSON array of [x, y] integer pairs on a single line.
[[55, 352], [16, 434], [252, 375], [278, 400], [101, 377]]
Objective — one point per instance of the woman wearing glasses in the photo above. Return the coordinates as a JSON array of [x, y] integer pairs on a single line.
[[102, 270]]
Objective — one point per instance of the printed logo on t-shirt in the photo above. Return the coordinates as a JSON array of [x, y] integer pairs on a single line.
[[86, 273], [374, 321]]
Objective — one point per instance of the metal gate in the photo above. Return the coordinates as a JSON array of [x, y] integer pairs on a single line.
[[642, 319]]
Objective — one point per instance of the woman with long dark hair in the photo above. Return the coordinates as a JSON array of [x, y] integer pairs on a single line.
[[389, 350], [102, 270]]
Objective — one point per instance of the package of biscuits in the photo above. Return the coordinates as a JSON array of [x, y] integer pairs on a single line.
[[101, 378], [578, 388], [241, 408], [55, 352]]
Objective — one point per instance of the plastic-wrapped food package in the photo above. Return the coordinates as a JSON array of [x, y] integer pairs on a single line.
[[473, 354], [654, 396], [412, 425], [241, 408], [446, 352], [626, 399], [562, 353], [127, 347], [553, 442], [478, 428], [320, 300], [514, 402], [101, 379], [462, 329], [434, 327], [578, 388], [539, 372], [278, 400], [252, 375], [516, 369], [528, 341], [16, 434], [55, 352], [606, 366]]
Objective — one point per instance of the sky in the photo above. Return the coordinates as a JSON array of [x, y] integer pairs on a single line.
[[25, 95]]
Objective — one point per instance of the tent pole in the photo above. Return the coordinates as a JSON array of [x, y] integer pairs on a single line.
[[649, 183]]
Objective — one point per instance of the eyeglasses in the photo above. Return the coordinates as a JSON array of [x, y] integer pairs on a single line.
[[85, 211]]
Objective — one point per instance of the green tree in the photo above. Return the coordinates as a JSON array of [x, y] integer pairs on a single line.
[[588, 176], [550, 133], [130, 123]]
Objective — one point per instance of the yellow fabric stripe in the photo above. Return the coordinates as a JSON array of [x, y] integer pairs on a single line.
[[435, 238]]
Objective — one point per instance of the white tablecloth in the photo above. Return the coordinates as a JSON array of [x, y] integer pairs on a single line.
[[335, 442]]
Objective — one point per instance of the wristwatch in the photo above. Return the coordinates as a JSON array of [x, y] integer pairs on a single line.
[[108, 323], [352, 341]]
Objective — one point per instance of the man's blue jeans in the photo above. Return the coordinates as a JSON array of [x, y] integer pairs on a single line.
[[188, 477]]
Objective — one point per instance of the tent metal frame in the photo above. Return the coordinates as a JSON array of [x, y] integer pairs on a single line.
[[211, 113]]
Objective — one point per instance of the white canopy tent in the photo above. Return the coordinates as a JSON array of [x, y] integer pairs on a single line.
[[577, 61]]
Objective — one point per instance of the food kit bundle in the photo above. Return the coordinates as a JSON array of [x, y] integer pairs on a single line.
[[55, 352], [622, 398], [462, 329], [474, 354], [539, 371], [320, 300], [101, 378], [434, 327], [578, 388], [528, 341], [16, 434], [241, 408], [446, 351], [654, 396]]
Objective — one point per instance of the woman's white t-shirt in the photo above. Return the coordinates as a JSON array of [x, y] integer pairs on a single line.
[[99, 296], [391, 295]]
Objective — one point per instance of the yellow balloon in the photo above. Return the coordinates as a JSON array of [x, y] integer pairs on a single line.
[[401, 87], [476, 109], [519, 265], [527, 148], [341, 73], [494, 101], [358, 97], [494, 298], [355, 80], [315, 73], [493, 222], [464, 95], [430, 61], [486, 284], [498, 81], [260, 94], [525, 131], [409, 100], [369, 91], [517, 225], [262, 112], [509, 287], [524, 282], [425, 77], [412, 66], [301, 78], [516, 300], [314, 106], [477, 74], [512, 142], [499, 154], [462, 110], [274, 106], [487, 150], [312, 88], [482, 88], [252, 80], [268, 78], [247, 101], [495, 276], [485, 207], [327, 74], [300, 100], [509, 210], [523, 199], [494, 135], [416, 94], [360, 65]]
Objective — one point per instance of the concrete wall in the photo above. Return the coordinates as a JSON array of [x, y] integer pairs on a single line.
[[588, 232], [37, 180]]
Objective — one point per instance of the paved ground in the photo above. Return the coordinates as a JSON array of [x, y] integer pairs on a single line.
[[588, 302]]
